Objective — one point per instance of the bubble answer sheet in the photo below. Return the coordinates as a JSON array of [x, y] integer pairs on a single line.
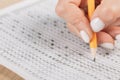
[[35, 43]]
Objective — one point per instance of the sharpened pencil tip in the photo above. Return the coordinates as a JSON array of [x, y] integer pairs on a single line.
[[93, 51]]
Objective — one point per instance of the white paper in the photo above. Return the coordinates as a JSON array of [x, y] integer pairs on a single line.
[[35, 43]]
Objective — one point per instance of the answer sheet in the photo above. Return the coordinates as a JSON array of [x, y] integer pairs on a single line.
[[35, 43]]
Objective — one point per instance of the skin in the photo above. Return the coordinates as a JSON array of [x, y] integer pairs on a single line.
[[75, 14]]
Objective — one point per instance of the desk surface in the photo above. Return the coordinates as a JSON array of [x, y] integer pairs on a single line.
[[6, 74], [5, 3]]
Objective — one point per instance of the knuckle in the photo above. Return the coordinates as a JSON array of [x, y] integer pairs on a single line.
[[108, 14], [108, 10], [60, 10], [76, 21]]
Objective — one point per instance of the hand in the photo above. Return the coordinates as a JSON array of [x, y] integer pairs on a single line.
[[74, 12], [106, 21]]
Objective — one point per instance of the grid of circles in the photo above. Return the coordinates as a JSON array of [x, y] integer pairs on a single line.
[[40, 39]]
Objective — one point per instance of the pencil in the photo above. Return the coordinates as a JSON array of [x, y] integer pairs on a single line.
[[93, 42]]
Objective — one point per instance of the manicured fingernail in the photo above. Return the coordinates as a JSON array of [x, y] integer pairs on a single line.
[[117, 37], [107, 45], [97, 25], [84, 36]]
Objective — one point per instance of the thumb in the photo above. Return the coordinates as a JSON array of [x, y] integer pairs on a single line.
[[104, 15]]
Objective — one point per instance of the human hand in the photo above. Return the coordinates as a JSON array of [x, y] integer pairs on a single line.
[[74, 12], [106, 21]]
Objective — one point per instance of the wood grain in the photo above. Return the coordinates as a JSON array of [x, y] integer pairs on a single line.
[[6, 74], [6, 3]]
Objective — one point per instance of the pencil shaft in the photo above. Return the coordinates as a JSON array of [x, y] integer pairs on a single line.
[[93, 42]]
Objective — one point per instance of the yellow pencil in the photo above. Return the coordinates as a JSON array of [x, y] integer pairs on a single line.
[[93, 42]]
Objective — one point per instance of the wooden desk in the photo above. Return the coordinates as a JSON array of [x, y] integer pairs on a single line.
[[6, 74], [6, 3]]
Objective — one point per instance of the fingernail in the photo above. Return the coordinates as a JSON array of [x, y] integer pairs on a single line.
[[107, 45], [84, 36], [117, 37], [97, 25]]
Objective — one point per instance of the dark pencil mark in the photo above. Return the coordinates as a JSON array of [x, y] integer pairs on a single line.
[[66, 47], [52, 44], [52, 40], [94, 59], [39, 33], [107, 53]]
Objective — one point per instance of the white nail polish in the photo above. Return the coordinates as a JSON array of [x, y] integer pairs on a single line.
[[84, 36], [107, 45], [97, 25], [117, 37]]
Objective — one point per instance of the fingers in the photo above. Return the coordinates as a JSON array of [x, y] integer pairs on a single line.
[[107, 36], [114, 31], [70, 11], [81, 32], [117, 22], [73, 29], [105, 14], [105, 40]]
